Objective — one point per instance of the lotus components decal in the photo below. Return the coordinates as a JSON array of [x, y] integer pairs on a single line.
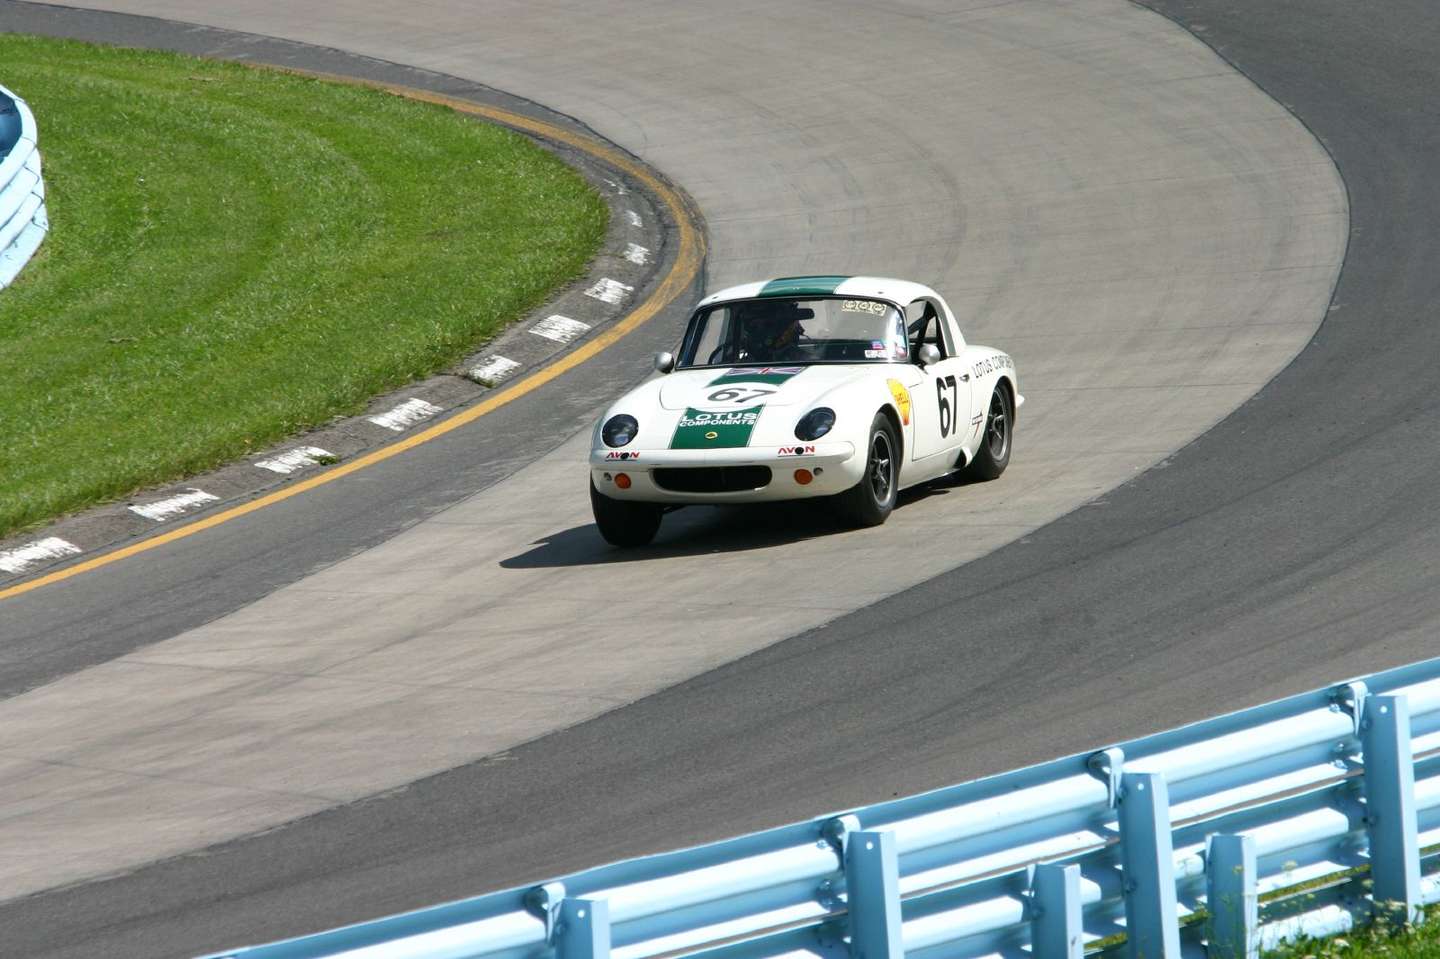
[[699, 430], [757, 374], [902, 399]]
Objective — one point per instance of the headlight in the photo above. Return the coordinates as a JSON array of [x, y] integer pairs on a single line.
[[815, 423], [619, 430]]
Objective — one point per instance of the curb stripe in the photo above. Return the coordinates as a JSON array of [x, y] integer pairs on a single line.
[[560, 329], [293, 460], [493, 370], [690, 252], [164, 509], [610, 291], [52, 547], [406, 415]]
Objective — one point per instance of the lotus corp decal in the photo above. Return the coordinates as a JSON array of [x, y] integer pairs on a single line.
[[699, 430], [757, 374], [992, 363], [902, 399]]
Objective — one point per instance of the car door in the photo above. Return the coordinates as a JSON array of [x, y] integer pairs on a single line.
[[942, 402]]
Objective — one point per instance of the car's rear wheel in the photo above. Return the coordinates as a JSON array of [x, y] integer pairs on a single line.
[[869, 502], [622, 522], [994, 453]]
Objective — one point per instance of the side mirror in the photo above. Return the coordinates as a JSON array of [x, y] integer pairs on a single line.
[[664, 362], [929, 354]]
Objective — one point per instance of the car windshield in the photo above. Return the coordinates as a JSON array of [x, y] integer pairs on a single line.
[[775, 330]]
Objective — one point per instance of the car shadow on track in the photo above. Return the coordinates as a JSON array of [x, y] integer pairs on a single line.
[[697, 530]]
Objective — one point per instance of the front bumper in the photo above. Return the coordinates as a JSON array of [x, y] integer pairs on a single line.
[[834, 468]]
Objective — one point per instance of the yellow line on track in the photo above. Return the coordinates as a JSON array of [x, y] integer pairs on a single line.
[[691, 252]]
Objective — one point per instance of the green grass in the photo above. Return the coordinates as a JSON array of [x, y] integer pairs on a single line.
[[1381, 940], [1384, 937], [238, 254]]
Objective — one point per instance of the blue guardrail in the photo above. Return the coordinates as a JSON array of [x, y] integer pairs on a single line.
[[1303, 816], [22, 190]]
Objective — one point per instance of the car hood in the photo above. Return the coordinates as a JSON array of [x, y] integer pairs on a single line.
[[749, 386]]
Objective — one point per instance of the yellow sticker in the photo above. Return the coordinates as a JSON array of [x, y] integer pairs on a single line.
[[902, 399]]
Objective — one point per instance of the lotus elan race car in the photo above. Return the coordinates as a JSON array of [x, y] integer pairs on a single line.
[[815, 386]]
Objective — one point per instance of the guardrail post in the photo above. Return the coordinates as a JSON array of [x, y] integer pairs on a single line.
[[1231, 898], [872, 882], [584, 931], [1055, 928], [1148, 855], [1390, 807]]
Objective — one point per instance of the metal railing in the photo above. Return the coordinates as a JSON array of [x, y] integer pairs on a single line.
[[1303, 816], [22, 190]]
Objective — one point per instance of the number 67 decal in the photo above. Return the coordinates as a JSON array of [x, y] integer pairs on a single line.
[[947, 406], [737, 394]]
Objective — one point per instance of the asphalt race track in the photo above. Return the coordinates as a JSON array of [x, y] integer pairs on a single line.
[[1170, 242], [1286, 547]]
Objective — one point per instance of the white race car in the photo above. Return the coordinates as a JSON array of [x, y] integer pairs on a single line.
[[847, 387]]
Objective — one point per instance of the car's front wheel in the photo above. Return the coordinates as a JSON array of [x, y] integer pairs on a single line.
[[869, 502], [994, 453], [622, 522]]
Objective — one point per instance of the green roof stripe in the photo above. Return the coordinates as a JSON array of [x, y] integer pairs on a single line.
[[802, 286]]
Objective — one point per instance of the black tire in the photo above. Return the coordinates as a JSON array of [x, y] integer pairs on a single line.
[[994, 453], [869, 502], [623, 523]]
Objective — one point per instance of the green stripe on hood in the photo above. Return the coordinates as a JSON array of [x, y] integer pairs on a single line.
[[758, 374], [802, 286], [699, 430]]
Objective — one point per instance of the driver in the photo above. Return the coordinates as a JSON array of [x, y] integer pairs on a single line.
[[771, 332]]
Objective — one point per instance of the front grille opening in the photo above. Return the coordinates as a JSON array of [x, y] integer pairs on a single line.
[[712, 479]]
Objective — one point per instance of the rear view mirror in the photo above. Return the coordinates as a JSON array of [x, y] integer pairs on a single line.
[[664, 362], [929, 354]]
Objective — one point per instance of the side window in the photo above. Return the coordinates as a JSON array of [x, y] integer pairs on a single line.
[[712, 340], [915, 325], [924, 326]]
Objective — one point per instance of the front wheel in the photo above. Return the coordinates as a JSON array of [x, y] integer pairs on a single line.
[[622, 522], [994, 453], [869, 502]]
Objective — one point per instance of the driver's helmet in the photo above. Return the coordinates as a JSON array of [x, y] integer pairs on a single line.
[[770, 328]]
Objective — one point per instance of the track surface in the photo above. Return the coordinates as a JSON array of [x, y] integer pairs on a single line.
[[1133, 220], [1298, 530]]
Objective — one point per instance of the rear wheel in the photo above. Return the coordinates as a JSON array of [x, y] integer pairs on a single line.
[[869, 502], [994, 453], [622, 522]]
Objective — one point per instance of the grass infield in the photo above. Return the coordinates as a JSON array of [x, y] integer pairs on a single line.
[[237, 254]]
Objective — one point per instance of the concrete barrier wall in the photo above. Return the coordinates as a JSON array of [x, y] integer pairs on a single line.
[[22, 189]]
